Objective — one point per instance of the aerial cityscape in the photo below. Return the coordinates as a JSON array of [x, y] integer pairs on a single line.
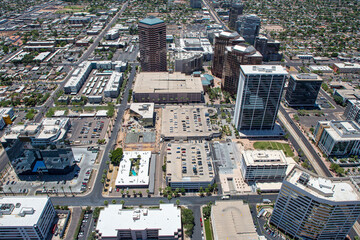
[[179, 119]]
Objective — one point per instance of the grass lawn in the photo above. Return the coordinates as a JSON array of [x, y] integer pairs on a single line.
[[208, 232], [275, 146]]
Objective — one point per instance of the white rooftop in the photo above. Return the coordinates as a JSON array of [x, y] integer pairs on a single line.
[[332, 189], [128, 174], [167, 219], [263, 69], [266, 157], [146, 110], [30, 207]]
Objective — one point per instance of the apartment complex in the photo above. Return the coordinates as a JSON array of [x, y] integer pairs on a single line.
[[222, 40], [152, 41], [258, 97], [235, 56], [26, 217], [164, 222], [303, 90], [338, 138], [265, 165], [313, 207]]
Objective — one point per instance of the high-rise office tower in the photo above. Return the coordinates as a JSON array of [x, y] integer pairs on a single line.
[[258, 96], [152, 41], [236, 10], [303, 90], [248, 26], [222, 40], [195, 3], [241, 54], [313, 207], [268, 48]]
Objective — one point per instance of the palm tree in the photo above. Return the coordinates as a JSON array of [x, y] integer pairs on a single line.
[[177, 202], [2, 189], [62, 188], [71, 191], [11, 191]]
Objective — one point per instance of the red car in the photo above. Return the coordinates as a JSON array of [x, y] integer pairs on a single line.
[[201, 220]]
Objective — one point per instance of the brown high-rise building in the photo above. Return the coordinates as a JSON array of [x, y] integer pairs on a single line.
[[152, 41], [222, 40], [234, 56]]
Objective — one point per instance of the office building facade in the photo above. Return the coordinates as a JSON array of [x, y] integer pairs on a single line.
[[258, 96], [312, 207], [26, 217], [152, 42], [260, 165], [236, 10], [268, 48], [234, 57], [303, 90], [222, 40], [338, 138], [248, 26], [352, 111]]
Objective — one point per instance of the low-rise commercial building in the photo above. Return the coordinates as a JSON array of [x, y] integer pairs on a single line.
[[134, 169], [7, 115], [338, 138], [40, 147], [164, 222], [163, 87], [189, 166], [232, 220], [303, 90], [265, 165], [346, 67], [26, 217], [313, 207], [143, 112]]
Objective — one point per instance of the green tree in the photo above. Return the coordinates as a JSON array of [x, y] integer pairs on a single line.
[[106, 203], [116, 156]]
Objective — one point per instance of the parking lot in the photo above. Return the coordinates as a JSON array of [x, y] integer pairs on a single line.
[[95, 83], [88, 130]]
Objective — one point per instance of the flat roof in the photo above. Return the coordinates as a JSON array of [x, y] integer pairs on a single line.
[[113, 218], [129, 174], [347, 65], [187, 121], [151, 20], [332, 189], [189, 156], [306, 77], [164, 82], [145, 110], [232, 220], [265, 157], [264, 69], [341, 130], [31, 206]]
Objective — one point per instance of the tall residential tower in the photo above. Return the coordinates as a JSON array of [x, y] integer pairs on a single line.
[[152, 39], [258, 96], [222, 40], [313, 207]]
